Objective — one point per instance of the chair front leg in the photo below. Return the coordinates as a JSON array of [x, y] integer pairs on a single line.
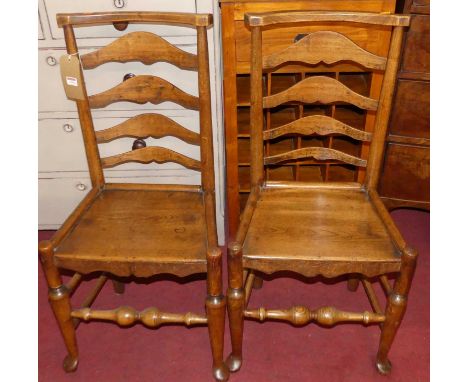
[[236, 300], [216, 314], [396, 307], [59, 299]]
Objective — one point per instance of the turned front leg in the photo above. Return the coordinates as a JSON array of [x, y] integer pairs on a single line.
[[216, 314], [236, 298], [59, 298], [396, 307]]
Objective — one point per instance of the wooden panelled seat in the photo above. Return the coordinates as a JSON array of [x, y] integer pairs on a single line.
[[327, 232], [328, 228], [140, 229]]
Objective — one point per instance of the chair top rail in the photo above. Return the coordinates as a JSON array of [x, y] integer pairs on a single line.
[[270, 18], [99, 18]]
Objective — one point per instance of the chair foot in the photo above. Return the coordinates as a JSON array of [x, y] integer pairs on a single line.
[[70, 364], [353, 284], [234, 363], [221, 373], [384, 367], [119, 287], [258, 283]]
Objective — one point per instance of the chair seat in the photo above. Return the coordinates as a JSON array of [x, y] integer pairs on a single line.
[[318, 231], [138, 232]]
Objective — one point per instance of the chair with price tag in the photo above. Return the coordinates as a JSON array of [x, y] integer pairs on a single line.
[[124, 230]]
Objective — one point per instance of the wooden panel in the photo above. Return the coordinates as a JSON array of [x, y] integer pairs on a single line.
[[242, 6], [151, 154], [319, 153], [418, 6], [275, 40], [416, 55], [148, 125], [327, 47], [320, 89], [170, 224], [411, 109], [140, 46], [310, 219], [317, 124], [143, 89], [406, 173]]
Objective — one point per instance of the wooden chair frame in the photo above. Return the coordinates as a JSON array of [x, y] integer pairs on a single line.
[[241, 278], [59, 293]]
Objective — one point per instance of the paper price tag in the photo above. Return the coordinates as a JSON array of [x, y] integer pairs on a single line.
[[72, 76]]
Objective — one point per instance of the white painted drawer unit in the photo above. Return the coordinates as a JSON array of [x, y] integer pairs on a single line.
[[63, 176]]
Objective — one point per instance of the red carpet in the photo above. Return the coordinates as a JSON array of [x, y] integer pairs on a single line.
[[272, 351]]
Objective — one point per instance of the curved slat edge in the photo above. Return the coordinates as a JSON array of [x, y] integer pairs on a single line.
[[151, 154], [269, 18], [321, 89], [317, 124], [145, 47], [328, 47], [145, 126], [143, 89], [98, 18], [319, 153]]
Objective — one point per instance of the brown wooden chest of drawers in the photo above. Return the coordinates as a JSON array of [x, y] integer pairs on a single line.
[[405, 178]]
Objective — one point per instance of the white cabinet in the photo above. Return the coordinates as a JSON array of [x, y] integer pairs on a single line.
[[63, 176], [66, 6]]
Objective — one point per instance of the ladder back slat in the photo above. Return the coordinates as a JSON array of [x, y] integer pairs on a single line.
[[317, 124], [151, 154], [321, 89], [327, 47], [143, 89], [145, 47], [148, 125], [319, 153], [99, 18], [278, 18]]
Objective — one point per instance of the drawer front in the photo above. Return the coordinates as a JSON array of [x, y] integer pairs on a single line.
[[66, 6], [58, 198], [52, 96], [417, 48], [419, 6], [411, 109], [406, 173], [375, 40], [61, 146]]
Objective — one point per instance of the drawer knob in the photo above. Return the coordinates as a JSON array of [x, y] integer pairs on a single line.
[[120, 26], [299, 37], [81, 187], [138, 144], [128, 76], [67, 128], [119, 3], [51, 61]]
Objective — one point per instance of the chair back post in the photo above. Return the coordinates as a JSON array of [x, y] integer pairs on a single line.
[[383, 113], [256, 110], [206, 135], [86, 120]]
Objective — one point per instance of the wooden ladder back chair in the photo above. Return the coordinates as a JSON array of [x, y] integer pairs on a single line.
[[140, 229], [327, 228]]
